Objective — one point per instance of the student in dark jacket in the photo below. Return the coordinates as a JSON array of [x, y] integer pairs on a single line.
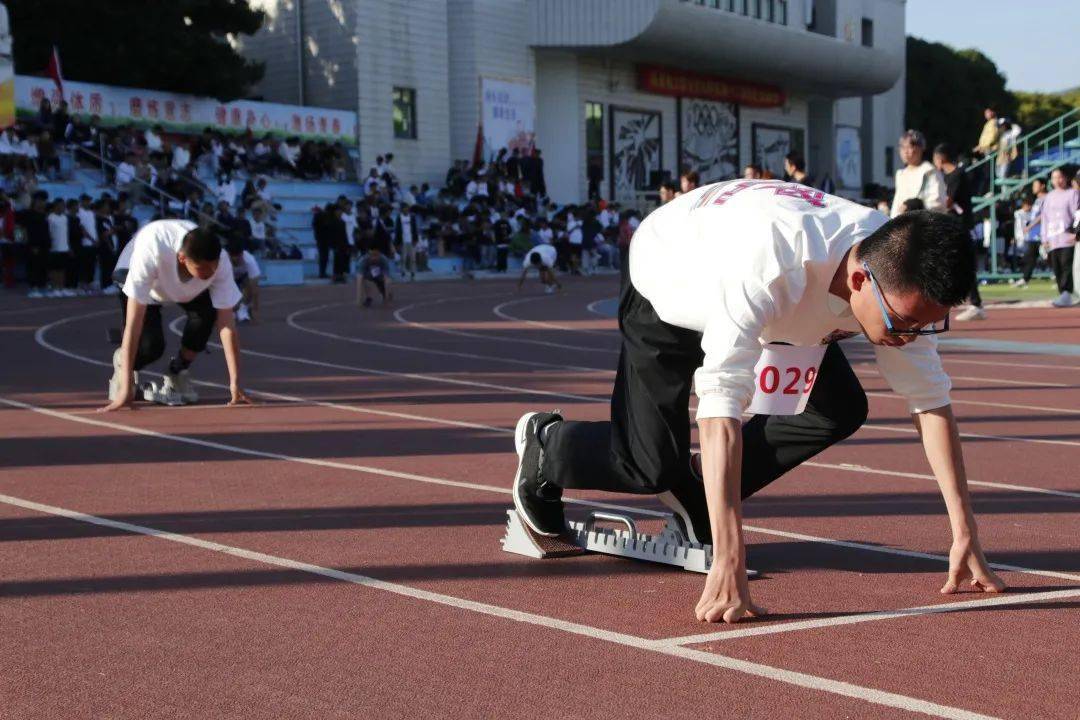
[[320, 228], [35, 224], [338, 236]]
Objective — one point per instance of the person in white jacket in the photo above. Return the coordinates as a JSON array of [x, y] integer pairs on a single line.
[[918, 178], [740, 292]]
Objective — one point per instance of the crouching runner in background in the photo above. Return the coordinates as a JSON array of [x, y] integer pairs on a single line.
[[174, 261]]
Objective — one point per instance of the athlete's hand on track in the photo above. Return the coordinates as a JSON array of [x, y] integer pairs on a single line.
[[239, 397], [967, 565], [726, 596], [126, 398]]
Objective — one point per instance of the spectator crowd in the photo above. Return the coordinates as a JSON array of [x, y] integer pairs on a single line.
[[484, 213]]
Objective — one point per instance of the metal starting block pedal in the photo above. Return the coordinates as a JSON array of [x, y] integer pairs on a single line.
[[155, 392], [670, 547]]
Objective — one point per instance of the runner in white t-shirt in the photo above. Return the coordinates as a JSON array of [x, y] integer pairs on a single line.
[[715, 275], [174, 261], [541, 257]]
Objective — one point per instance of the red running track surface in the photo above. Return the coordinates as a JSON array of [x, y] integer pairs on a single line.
[[334, 551]]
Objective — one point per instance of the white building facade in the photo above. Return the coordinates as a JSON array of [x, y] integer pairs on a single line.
[[617, 94]]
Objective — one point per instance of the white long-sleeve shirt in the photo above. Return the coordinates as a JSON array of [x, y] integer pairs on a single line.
[[747, 263], [924, 182]]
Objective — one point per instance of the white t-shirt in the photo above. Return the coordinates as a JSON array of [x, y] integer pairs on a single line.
[[547, 254], [249, 267], [226, 192], [406, 230], [58, 233], [153, 141], [750, 262], [125, 173], [350, 221], [153, 274], [181, 157], [573, 231], [258, 228], [546, 235], [88, 220]]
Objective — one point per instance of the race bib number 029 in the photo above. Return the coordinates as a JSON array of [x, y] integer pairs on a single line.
[[784, 377]]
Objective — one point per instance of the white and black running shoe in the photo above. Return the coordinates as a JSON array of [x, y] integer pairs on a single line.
[[686, 498], [538, 502]]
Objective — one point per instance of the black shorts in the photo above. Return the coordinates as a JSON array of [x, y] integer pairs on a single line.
[[379, 282], [59, 260]]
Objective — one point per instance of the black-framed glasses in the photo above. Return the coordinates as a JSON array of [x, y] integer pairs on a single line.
[[889, 326]]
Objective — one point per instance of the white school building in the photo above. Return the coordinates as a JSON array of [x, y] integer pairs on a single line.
[[617, 92]]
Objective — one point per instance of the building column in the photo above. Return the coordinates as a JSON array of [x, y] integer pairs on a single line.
[[560, 119]]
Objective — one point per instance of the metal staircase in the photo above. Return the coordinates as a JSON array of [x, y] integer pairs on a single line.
[[1039, 153]]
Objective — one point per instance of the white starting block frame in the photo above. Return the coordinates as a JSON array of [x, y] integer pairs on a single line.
[[670, 547], [153, 391]]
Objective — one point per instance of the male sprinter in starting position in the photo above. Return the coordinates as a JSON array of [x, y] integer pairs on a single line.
[[174, 261], [714, 275], [541, 257]]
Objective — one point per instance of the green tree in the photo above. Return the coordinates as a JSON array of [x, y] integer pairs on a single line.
[[1036, 109], [174, 45], [947, 91]]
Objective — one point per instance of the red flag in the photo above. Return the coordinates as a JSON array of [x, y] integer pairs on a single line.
[[54, 71], [478, 150]]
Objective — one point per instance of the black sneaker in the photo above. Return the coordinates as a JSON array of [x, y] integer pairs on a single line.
[[686, 498], [539, 503]]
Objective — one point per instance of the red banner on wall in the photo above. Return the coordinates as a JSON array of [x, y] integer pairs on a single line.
[[684, 83]]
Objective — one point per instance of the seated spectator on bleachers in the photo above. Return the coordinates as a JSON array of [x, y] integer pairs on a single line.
[[125, 174], [288, 155], [225, 189], [258, 230], [155, 144], [260, 159]]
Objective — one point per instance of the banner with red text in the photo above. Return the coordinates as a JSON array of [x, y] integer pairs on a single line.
[[186, 113]]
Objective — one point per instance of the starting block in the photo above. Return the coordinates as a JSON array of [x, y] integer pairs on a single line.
[[670, 547], [156, 393]]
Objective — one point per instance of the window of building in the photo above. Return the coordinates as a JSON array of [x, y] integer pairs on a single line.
[[755, 6], [405, 113], [594, 136], [781, 12], [867, 32], [890, 160]]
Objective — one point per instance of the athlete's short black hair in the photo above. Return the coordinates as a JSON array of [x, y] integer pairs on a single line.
[[922, 251], [201, 245], [535, 259]]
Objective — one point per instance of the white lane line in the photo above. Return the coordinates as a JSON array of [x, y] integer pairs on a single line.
[[995, 381], [487, 488], [290, 320], [978, 436], [902, 553], [399, 315], [947, 357], [980, 403], [389, 373], [337, 465], [850, 467], [768, 672], [500, 311], [887, 396], [997, 600], [317, 462], [845, 466], [594, 307]]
